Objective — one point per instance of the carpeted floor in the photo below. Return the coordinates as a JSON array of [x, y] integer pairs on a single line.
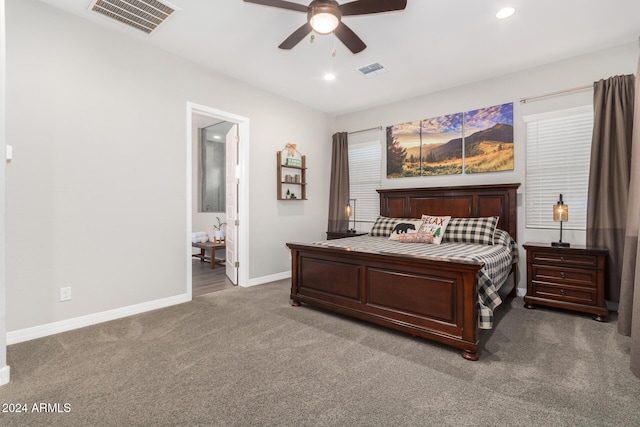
[[242, 357]]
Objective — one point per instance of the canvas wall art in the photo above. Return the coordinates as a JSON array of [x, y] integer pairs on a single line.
[[476, 141], [425, 147], [488, 139]]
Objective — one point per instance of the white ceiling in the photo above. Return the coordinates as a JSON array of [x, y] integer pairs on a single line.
[[430, 46]]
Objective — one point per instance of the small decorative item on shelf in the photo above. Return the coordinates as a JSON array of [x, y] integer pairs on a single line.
[[288, 194], [218, 231], [290, 161]]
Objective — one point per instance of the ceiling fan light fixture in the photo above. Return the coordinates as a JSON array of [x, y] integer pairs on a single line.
[[324, 17]]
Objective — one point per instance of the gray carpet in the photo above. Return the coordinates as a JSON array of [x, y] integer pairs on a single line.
[[242, 357]]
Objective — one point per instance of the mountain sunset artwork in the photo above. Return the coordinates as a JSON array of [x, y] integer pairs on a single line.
[[476, 141], [488, 139], [425, 147]]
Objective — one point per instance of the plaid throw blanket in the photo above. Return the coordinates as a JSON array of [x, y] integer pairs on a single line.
[[497, 259]]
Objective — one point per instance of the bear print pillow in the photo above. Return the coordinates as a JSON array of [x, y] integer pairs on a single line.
[[404, 226]]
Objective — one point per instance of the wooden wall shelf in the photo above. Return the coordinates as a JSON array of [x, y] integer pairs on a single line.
[[291, 178]]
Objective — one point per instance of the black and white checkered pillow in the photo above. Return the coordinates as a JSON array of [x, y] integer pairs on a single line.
[[471, 230], [384, 226]]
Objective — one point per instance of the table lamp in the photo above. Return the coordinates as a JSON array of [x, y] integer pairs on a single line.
[[351, 211], [560, 214]]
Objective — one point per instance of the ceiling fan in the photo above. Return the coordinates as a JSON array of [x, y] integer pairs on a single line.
[[325, 16]]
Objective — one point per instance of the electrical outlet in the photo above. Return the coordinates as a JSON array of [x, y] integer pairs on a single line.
[[65, 294]]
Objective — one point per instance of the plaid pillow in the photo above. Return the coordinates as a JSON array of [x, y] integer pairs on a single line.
[[471, 230], [384, 226]]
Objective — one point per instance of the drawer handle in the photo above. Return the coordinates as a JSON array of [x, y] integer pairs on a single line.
[[562, 258], [562, 274], [563, 292]]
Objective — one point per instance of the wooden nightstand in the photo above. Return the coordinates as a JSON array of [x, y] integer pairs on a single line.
[[342, 234], [569, 278]]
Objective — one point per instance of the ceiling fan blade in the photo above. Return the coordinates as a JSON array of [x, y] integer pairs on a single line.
[[281, 4], [296, 37], [349, 38], [364, 7]]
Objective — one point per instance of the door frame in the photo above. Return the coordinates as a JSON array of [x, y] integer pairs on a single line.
[[242, 174]]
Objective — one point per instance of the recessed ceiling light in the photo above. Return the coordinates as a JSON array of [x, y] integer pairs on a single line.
[[329, 77], [217, 137], [505, 13]]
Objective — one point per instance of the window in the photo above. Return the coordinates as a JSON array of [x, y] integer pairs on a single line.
[[364, 179], [558, 153]]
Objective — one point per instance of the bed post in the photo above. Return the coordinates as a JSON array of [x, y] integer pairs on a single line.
[[470, 307], [294, 278]]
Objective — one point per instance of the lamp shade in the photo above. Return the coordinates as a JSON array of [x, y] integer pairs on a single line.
[[324, 23], [560, 212], [349, 210], [324, 16]]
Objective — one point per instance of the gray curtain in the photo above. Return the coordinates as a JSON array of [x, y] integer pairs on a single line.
[[609, 173], [629, 308], [339, 186]]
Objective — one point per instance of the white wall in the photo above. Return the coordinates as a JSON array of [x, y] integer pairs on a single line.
[[96, 194], [566, 74], [4, 369]]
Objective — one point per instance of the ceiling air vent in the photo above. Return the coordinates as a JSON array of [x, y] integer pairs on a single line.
[[143, 15], [372, 69]]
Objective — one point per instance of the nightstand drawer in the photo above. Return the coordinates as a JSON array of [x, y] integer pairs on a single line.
[[564, 293], [565, 259], [561, 275]]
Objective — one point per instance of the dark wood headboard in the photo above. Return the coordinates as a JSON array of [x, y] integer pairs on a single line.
[[467, 201]]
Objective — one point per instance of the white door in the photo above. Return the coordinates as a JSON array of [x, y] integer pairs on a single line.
[[231, 255]]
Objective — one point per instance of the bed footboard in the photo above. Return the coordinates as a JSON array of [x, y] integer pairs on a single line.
[[433, 299]]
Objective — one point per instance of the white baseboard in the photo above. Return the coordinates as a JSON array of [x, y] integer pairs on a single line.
[[27, 334], [4, 375], [268, 279]]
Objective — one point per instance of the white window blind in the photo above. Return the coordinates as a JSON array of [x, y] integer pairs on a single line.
[[364, 179], [558, 153]]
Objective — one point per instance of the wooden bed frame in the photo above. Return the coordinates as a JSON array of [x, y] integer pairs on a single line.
[[433, 299]]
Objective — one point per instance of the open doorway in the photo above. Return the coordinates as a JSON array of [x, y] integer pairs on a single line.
[[216, 196], [209, 218]]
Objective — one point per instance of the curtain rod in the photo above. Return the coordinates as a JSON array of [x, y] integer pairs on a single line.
[[365, 130], [573, 89]]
